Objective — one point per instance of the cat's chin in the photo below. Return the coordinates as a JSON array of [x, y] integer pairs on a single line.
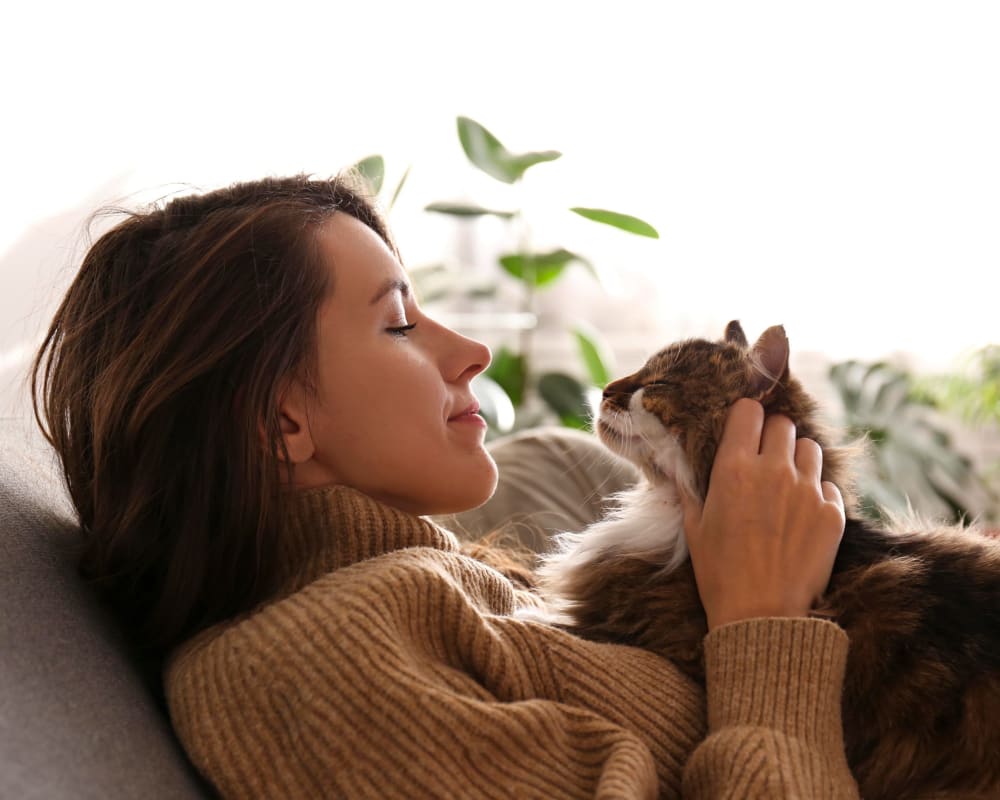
[[632, 448], [638, 451]]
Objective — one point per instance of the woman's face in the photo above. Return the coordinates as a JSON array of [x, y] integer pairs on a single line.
[[386, 416]]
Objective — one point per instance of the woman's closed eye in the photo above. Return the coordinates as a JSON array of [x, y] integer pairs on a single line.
[[401, 331]]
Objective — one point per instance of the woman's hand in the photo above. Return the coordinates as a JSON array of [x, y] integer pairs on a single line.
[[764, 542]]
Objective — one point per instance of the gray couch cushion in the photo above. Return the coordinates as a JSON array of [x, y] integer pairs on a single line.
[[76, 721]]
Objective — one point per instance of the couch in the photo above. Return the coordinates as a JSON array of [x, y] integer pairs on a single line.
[[76, 720]]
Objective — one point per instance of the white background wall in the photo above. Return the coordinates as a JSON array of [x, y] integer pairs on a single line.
[[830, 166]]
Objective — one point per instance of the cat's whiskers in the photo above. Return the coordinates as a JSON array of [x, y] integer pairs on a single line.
[[638, 436], [614, 428]]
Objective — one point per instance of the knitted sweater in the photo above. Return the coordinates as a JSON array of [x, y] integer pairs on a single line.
[[391, 665]]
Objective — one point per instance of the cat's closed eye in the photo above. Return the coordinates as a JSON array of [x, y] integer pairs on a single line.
[[663, 385]]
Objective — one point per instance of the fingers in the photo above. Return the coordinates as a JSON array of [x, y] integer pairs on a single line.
[[809, 459], [742, 430], [748, 432], [832, 495], [778, 437]]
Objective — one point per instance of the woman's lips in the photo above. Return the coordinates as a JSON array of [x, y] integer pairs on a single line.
[[470, 417], [471, 409]]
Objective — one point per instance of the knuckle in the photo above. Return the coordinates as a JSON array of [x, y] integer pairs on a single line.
[[733, 463], [747, 405], [781, 471], [834, 517]]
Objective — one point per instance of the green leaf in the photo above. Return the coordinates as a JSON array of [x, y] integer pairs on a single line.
[[565, 395], [575, 421], [484, 150], [466, 210], [591, 352], [621, 221], [509, 369], [372, 169], [539, 269], [399, 187]]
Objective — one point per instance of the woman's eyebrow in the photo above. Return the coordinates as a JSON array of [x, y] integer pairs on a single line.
[[388, 286]]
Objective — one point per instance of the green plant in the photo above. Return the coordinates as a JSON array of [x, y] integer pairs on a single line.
[[372, 170], [563, 395], [973, 393], [913, 461]]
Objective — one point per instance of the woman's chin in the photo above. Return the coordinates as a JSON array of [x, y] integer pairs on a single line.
[[479, 490], [464, 488]]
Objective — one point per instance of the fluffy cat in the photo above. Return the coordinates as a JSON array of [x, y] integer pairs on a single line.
[[921, 702]]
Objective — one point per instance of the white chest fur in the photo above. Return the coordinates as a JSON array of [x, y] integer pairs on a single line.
[[646, 523]]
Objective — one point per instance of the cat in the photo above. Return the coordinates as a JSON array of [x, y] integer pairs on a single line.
[[921, 606]]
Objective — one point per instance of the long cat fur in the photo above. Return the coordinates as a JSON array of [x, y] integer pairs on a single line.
[[920, 605]]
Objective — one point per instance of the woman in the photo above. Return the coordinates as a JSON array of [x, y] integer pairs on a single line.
[[255, 419]]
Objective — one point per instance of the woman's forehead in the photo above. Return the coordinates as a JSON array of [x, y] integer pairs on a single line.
[[362, 267]]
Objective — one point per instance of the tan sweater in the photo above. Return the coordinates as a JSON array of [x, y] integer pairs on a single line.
[[391, 666]]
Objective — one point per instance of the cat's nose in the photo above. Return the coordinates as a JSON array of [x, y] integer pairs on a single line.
[[619, 393], [620, 386]]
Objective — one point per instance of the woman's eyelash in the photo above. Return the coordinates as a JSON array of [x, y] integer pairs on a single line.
[[402, 330]]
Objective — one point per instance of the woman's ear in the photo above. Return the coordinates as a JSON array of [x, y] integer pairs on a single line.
[[293, 423]]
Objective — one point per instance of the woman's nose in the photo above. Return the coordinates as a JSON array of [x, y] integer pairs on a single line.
[[465, 357], [479, 356]]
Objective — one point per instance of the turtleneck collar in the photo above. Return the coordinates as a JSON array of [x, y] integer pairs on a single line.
[[333, 527]]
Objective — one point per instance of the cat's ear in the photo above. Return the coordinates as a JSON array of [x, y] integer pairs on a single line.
[[735, 335], [770, 361]]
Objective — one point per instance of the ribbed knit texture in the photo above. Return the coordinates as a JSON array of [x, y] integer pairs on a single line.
[[389, 665]]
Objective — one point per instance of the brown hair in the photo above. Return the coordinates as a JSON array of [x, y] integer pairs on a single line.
[[159, 380]]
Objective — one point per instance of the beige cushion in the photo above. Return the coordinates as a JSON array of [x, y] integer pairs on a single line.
[[551, 479]]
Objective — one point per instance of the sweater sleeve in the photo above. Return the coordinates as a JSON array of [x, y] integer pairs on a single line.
[[774, 717]]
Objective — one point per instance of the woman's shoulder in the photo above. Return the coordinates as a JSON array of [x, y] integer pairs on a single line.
[[377, 594]]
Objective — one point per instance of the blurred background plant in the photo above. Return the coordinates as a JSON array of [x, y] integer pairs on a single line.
[[372, 170], [973, 393], [913, 460], [512, 392]]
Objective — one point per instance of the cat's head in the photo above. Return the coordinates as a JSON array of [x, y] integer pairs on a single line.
[[668, 417]]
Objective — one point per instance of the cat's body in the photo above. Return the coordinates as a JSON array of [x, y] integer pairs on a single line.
[[921, 705]]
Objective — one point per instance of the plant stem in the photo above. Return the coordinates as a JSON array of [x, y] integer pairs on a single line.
[[528, 302]]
